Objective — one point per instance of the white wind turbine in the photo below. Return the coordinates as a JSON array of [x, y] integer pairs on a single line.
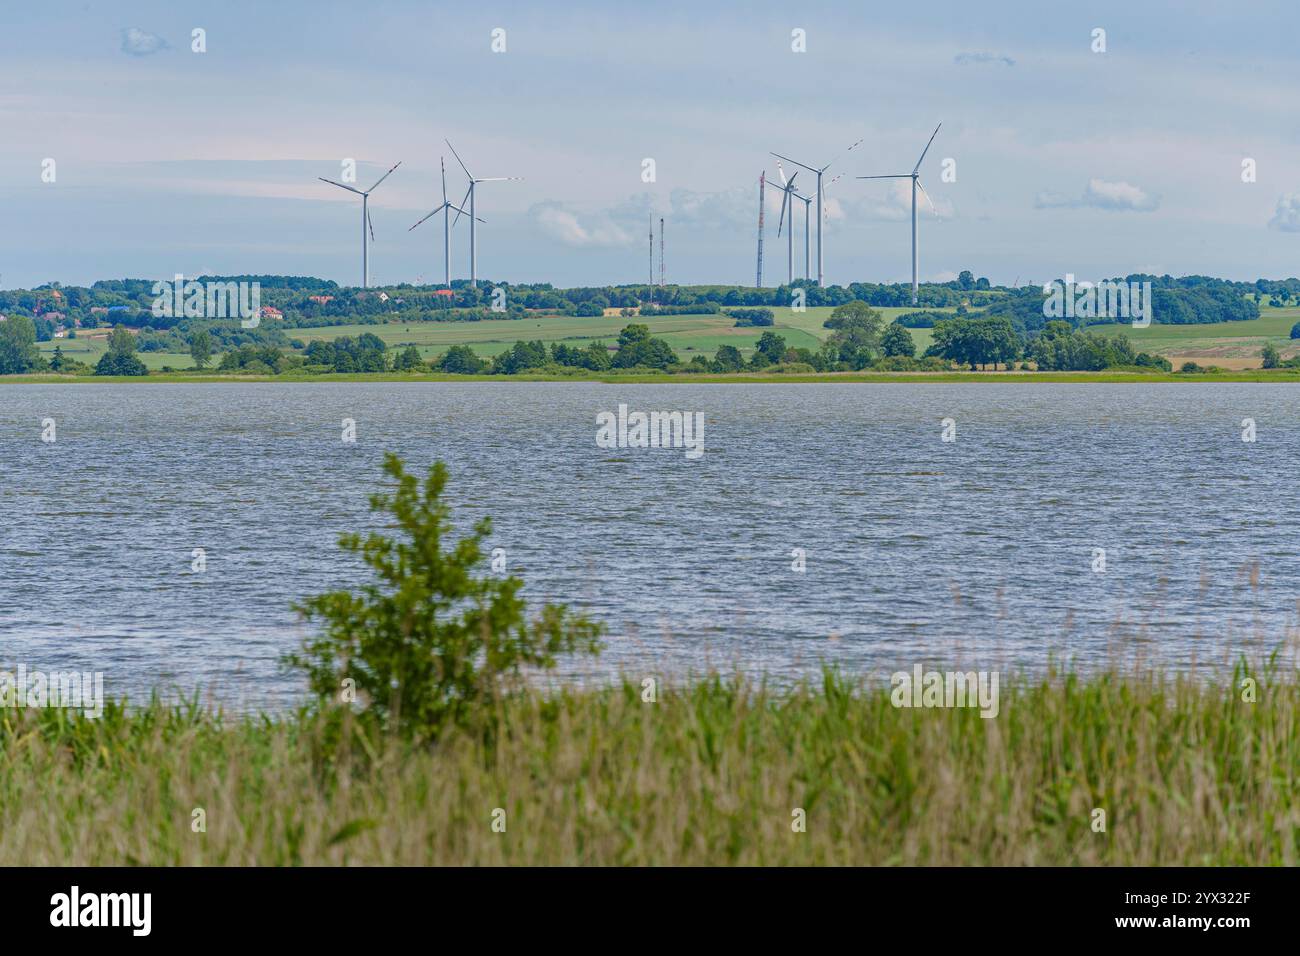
[[821, 202], [469, 194], [915, 176], [787, 190], [366, 224], [445, 209]]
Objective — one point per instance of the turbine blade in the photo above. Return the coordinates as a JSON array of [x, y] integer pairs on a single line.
[[458, 159], [371, 224], [340, 185], [927, 197], [452, 205], [785, 199], [442, 161], [459, 211], [889, 176], [501, 179], [800, 165], [793, 177], [846, 152], [780, 171], [385, 176], [434, 213], [927, 148]]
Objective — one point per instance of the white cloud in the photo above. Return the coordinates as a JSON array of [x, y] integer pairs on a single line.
[[137, 42], [628, 222], [1102, 194], [896, 204], [1287, 215], [579, 229]]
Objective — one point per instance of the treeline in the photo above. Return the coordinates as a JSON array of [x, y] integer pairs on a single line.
[[1191, 300], [987, 342]]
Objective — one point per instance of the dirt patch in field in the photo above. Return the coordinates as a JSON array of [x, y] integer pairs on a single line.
[[1214, 357]]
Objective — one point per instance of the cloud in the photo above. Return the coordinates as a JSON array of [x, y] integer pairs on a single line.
[[1287, 215], [627, 223], [896, 204], [137, 42], [983, 59], [1101, 194], [590, 229]]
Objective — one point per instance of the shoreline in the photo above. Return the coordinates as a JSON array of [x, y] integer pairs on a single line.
[[1259, 376]]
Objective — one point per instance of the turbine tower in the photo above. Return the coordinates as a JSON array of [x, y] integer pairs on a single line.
[[807, 204], [915, 176], [366, 224], [787, 188], [469, 194], [445, 209], [821, 202]]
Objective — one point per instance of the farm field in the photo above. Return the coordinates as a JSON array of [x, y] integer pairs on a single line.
[[1232, 345], [1228, 344], [689, 335], [89, 346]]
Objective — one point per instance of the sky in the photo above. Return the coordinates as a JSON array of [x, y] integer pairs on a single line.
[[1060, 158]]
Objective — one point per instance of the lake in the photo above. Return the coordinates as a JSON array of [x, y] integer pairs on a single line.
[[980, 552]]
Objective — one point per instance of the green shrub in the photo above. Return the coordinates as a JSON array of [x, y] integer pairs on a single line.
[[427, 645]]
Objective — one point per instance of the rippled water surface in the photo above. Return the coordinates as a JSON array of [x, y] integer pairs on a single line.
[[978, 551]]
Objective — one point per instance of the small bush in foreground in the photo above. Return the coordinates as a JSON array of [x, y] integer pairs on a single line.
[[428, 645]]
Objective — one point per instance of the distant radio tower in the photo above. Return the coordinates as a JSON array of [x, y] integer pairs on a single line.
[[762, 181], [661, 251], [652, 257]]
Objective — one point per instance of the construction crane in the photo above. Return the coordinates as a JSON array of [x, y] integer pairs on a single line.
[[762, 182]]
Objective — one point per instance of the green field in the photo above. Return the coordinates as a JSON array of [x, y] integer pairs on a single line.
[[1233, 345], [1230, 344], [689, 335], [88, 348]]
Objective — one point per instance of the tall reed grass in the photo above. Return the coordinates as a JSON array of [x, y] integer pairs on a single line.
[[711, 773]]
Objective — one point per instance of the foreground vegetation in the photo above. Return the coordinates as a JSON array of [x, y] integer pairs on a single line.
[[711, 773]]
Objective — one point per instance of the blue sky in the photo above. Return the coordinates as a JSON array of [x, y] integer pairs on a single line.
[[1067, 160]]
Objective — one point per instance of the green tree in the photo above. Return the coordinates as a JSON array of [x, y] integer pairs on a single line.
[[633, 333], [772, 346], [427, 644], [201, 348], [856, 335], [897, 341], [407, 360], [120, 359], [18, 351], [460, 360], [1270, 356], [727, 359]]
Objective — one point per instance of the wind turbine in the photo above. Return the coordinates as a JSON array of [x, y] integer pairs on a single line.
[[365, 221], [915, 176], [445, 209], [787, 189], [469, 194], [821, 206]]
